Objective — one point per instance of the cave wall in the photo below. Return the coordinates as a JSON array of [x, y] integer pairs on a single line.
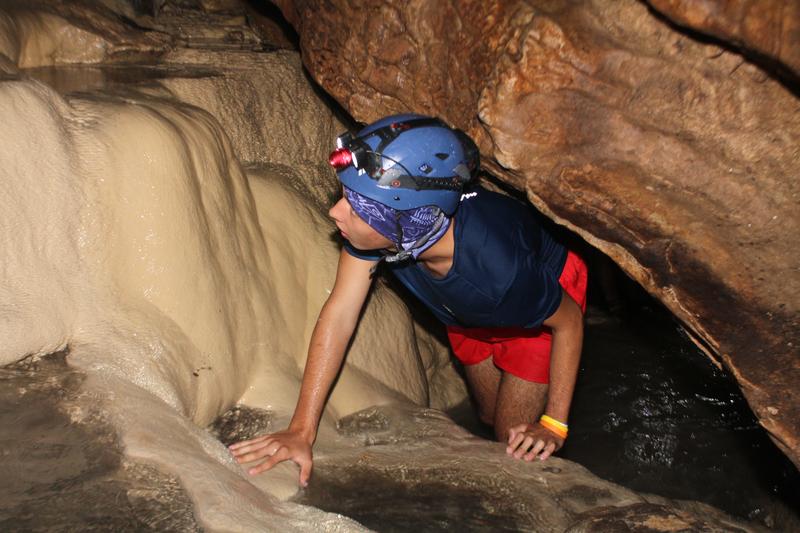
[[766, 28], [149, 206], [158, 226], [166, 228], [675, 154]]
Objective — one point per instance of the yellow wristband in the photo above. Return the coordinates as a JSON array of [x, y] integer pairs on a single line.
[[554, 421], [559, 428]]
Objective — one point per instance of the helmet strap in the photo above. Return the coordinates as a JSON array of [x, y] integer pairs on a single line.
[[413, 250], [418, 247]]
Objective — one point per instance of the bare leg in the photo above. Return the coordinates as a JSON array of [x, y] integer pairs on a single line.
[[518, 401], [484, 382]]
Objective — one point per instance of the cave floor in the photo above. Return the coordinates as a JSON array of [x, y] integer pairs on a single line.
[[652, 413]]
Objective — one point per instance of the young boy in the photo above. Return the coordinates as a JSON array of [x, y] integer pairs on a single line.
[[510, 296]]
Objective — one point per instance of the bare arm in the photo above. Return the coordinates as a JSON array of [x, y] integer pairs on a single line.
[[333, 330], [531, 440], [567, 326]]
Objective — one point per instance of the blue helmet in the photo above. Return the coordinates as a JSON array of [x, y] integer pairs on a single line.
[[407, 161]]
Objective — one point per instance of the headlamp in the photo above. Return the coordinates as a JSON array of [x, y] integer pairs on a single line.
[[356, 151], [340, 158]]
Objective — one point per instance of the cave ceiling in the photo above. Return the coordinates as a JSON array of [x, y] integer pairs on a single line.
[[666, 133]]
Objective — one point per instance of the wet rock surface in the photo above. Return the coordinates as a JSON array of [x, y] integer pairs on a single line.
[[63, 468], [646, 518], [61, 32], [420, 472], [241, 423], [675, 156]]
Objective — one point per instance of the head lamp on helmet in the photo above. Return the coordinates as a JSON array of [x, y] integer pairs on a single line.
[[407, 161]]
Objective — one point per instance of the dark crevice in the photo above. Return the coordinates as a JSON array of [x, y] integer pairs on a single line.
[[771, 67], [266, 10]]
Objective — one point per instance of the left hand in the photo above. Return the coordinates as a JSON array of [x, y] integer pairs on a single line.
[[528, 441]]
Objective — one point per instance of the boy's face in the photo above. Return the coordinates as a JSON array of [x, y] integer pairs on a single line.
[[354, 229]]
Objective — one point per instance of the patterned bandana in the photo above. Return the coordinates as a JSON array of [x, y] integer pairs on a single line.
[[413, 231]]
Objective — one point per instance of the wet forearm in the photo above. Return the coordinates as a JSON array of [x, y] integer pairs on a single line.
[[325, 355], [565, 359], [563, 372]]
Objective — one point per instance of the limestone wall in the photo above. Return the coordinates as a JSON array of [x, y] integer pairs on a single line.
[[134, 238]]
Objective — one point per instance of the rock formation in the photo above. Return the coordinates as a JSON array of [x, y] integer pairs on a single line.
[[134, 239], [676, 156], [769, 28], [164, 226]]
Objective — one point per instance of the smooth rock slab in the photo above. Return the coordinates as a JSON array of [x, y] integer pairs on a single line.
[[63, 467], [413, 469]]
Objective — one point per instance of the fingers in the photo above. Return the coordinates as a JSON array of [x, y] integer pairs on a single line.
[[241, 444], [241, 448], [527, 442], [513, 431], [536, 450], [281, 455], [274, 449], [256, 450], [305, 470], [514, 442], [548, 451], [530, 445]]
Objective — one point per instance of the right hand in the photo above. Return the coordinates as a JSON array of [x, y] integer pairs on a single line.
[[278, 447], [530, 441]]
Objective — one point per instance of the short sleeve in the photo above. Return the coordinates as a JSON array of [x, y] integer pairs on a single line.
[[533, 297]]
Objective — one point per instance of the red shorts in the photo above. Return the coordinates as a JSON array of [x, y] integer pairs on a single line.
[[523, 352]]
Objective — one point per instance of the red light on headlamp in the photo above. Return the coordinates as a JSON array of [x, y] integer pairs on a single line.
[[340, 158]]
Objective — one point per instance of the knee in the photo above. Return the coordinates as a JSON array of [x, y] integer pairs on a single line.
[[501, 432], [485, 416]]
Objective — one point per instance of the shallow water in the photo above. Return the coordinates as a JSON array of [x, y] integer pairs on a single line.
[[417, 503], [651, 412], [63, 475]]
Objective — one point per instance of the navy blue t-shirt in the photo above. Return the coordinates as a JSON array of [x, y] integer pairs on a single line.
[[505, 267]]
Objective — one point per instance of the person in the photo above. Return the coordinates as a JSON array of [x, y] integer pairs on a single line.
[[510, 295]]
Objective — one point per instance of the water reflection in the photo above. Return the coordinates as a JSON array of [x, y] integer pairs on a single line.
[[651, 412], [59, 474], [418, 503], [81, 78]]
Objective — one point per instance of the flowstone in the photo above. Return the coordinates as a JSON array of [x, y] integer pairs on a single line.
[[414, 469], [54, 438]]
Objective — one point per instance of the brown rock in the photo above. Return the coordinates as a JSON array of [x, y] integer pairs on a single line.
[[651, 518], [768, 27], [462, 483], [677, 158], [39, 33]]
